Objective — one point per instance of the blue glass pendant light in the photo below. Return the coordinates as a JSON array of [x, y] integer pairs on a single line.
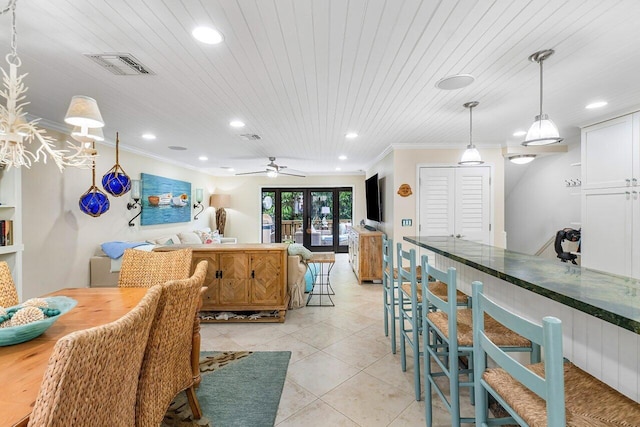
[[116, 181], [94, 202]]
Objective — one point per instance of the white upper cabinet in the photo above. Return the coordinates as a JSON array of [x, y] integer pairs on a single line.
[[610, 153]]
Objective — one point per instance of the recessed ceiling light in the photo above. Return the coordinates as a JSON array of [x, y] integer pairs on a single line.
[[207, 35], [343, 157], [520, 133], [457, 81], [351, 135], [338, 168], [203, 158], [148, 136], [597, 104], [236, 124], [177, 148]]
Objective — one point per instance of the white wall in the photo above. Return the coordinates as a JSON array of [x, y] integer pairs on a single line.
[[244, 216], [539, 203], [59, 239]]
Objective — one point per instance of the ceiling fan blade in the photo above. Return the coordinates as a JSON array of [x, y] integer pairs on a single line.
[[250, 173], [292, 174]]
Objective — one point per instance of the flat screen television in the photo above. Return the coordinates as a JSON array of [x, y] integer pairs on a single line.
[[372, 195]]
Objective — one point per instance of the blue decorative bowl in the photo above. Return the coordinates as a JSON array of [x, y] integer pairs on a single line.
[[17, 334]]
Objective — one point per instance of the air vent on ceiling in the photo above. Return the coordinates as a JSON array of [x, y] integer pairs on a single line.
[[250, 136], [121, 64]]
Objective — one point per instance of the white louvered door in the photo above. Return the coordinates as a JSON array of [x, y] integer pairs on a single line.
[[456, 201]]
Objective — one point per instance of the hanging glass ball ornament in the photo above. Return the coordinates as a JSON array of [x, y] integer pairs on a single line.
[[116, 181], [94, 202]]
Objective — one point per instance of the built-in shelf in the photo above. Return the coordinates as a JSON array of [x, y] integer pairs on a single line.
[[11, 249], [7, 207]]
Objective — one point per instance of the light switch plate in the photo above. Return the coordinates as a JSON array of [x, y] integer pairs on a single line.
[[406, 222]]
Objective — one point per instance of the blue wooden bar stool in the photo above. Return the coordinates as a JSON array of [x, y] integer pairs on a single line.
[[448, 336], [554, 393], [389, 291], [409, 309]]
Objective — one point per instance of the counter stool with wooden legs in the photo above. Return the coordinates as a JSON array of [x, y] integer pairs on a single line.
[[448, 335]]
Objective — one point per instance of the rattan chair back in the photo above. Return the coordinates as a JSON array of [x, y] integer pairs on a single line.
[[8, 292], [92, 375], [167, 368], [142, 269]]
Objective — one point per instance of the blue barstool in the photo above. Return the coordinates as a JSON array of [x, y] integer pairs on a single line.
[[555, 393], [448, 335], [389, 291], [409, 308]]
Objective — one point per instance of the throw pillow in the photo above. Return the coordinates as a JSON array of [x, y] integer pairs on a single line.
[[190, 238], [175, 240]]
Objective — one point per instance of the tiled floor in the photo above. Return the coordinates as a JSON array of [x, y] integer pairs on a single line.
[[342, 371]]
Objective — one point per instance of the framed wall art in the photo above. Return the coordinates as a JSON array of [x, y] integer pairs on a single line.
[[164, 200]]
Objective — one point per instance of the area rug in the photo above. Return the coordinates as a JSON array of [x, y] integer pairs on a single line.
[[237, 389]]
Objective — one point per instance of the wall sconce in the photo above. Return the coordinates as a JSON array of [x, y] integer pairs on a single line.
[[220, 201], [198, 203], [135, 195]]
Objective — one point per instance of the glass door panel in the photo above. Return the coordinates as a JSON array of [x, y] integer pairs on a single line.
[[268, 216], [321, 219], [292, 213], [345, 209]]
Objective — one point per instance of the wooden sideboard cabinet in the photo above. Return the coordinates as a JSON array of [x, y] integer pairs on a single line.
[[243, 277], [365, 253]]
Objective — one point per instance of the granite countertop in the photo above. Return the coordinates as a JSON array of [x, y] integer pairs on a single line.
[[613, 298]]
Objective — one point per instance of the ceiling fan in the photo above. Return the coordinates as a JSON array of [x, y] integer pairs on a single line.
[[273, 170]]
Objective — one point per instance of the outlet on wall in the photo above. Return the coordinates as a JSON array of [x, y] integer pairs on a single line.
[[406, 222]]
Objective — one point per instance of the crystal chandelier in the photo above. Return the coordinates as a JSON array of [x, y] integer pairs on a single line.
[[19, 137]]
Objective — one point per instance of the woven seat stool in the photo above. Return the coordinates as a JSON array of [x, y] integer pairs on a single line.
[[409, 309], [448, 336], [554, 393]]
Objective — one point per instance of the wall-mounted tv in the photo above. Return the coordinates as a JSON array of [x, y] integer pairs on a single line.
[[372, 195]]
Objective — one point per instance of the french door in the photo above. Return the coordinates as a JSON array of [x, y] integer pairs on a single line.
[[318, 218]]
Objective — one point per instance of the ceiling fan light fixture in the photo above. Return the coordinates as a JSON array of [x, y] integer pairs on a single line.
[[272, 173], [522, 159], [471, 156], [543, 131]]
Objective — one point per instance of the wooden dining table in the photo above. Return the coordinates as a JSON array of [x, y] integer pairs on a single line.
[[22, 366]]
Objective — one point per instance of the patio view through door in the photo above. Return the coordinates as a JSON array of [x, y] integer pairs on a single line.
[[318, 218]]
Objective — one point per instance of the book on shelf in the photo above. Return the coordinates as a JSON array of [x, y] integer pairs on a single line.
[[6, 232]]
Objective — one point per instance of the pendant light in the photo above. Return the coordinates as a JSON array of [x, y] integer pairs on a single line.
[[543, 131], [94, 202], [522, 159], [471, 156], [116, 181]]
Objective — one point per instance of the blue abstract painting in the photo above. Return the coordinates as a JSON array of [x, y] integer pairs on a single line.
[[164, 200]]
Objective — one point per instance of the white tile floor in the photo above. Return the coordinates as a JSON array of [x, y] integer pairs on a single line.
[[342, 371]]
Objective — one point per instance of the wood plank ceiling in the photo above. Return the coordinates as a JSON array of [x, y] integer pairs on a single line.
[[303, 73]]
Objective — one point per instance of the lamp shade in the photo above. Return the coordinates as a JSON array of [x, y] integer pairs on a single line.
[[199, 195], [83, 111], [542, 132], [522, 159], [471, 156], [135, 189], [220, 200], [92, 134]]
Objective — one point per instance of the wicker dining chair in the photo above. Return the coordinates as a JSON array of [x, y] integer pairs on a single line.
[[8, 292], [168, 366], [92, 375], [142, 269]]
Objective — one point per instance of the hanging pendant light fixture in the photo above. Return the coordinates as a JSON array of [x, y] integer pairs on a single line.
[[16, 133], [94, 202], [543, 131], [471, 155], [116, 181], [522, 159]]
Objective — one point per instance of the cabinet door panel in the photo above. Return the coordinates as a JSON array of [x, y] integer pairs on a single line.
[[607, 154], [210, 296], [266, 285], [606, 230], [234, 284]]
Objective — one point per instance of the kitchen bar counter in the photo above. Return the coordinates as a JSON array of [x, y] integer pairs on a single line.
[[615, 299], [600, 312]]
